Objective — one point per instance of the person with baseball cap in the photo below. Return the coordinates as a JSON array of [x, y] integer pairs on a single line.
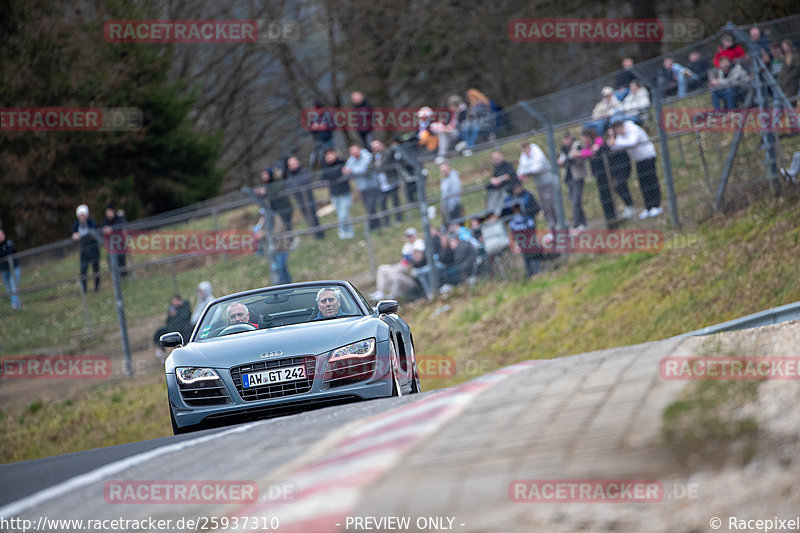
[[83, 230]]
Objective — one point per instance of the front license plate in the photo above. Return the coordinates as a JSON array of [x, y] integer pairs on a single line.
[[268, 377]]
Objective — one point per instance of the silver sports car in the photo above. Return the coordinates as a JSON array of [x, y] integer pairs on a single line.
[[287, 348]]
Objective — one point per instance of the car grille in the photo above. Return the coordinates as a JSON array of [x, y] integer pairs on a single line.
[[206, 392], [274, 390], [348, 371]]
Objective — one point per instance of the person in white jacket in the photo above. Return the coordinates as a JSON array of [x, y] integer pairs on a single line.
[[533, 164], [634, 140], [636, 104], [204, 296]]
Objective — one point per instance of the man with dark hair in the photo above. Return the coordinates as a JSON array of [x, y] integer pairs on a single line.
[[364, 117], [339, 189], [323, 137], [388, 179], [634, 140], [673, 78], [274, 190], [699, 67], [179, 315], [299, 178], [83, 231], [502, 181], [9, 268], [623, 79]]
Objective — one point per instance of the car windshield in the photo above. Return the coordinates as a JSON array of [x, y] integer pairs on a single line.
[[276, 308]]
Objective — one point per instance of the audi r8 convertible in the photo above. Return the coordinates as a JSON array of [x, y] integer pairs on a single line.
[[284, 349]]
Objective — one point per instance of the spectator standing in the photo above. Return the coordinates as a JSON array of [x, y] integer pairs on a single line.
[[633, 139], [10, 270], [448, 132], [365, 110], [279, 256], [404, 169], [358, 166], [388, 179], [341, 195], [299, 179], [178, 319], [323, 137], [115, 221], [575, 185], [273, 188], [592, 151], [523, 237], [789, 77], [619, 167], [500, 183], [204, 297], [450, 188], [534, 164], [83, 231]]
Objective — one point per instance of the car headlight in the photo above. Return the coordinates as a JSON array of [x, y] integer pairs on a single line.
[[187, 375], [358, 349]]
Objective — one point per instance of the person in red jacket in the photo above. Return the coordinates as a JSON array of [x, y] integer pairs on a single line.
[[729, 50]]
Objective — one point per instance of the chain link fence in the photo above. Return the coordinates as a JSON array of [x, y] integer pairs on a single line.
[[704, 171]]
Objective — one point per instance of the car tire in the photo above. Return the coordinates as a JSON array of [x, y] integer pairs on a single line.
[[416, 386], [397, 390]]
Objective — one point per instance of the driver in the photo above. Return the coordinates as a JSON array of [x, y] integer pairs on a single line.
[[329, 303], [239, 314]]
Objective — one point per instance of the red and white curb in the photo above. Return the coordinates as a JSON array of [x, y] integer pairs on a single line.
[[329, 487]]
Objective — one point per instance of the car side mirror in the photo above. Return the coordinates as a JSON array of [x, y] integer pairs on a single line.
[[386, 307], [170, 340]]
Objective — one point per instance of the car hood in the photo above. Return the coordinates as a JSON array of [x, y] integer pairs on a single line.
[[310, 338]]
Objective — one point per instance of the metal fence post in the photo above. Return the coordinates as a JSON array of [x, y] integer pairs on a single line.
[[120, 304], [370, 251], [666, 160], [269, 226], [420, 174], [174, 274]]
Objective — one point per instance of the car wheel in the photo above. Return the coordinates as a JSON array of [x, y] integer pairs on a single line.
[[416, 387], [397, 390]]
